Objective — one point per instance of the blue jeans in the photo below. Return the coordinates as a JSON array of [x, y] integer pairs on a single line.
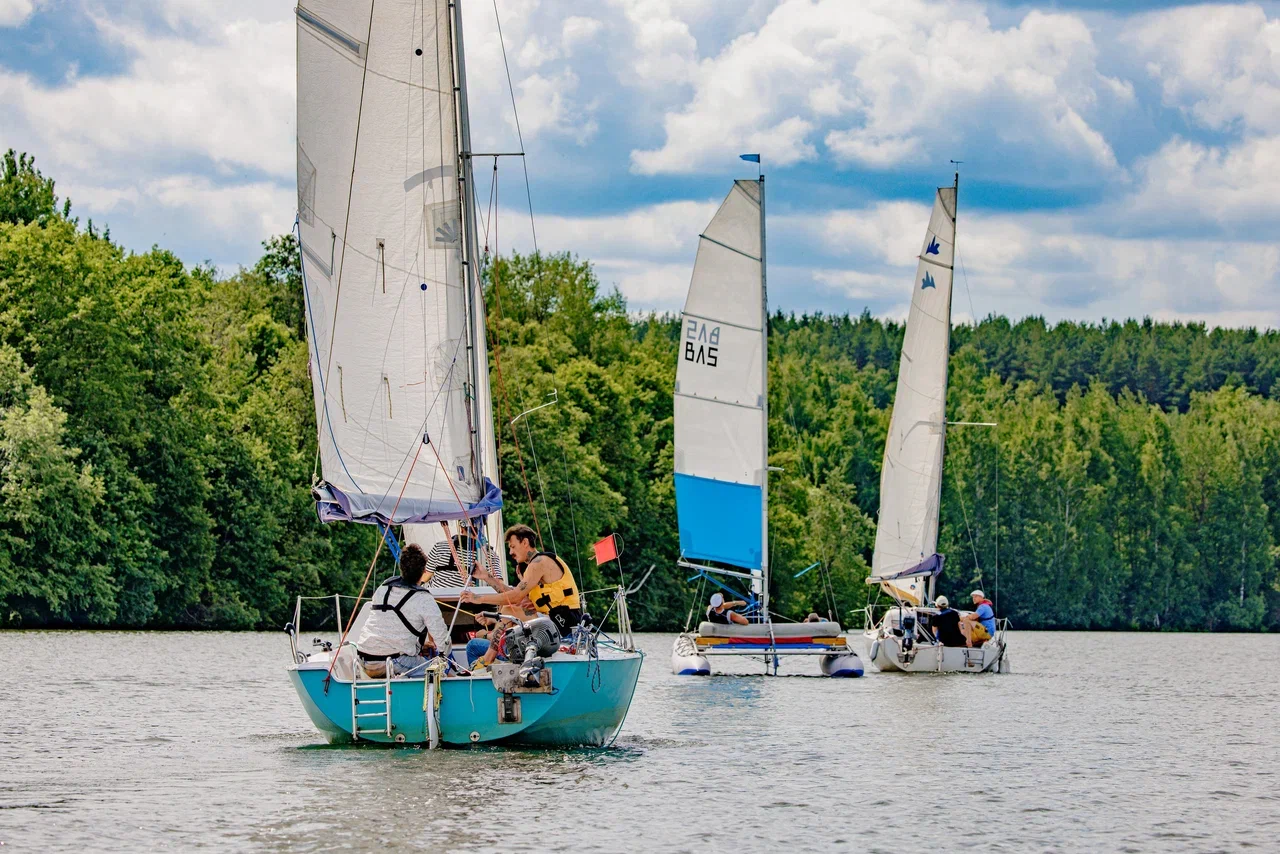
[[412, 666], [476, 649]]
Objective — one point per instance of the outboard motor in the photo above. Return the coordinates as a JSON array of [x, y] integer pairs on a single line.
[[908, 635], [529, 643]]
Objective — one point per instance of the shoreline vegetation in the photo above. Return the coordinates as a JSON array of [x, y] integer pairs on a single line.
[[157, 442]]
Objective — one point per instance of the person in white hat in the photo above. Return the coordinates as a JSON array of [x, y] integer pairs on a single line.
[[979, 626], [719, 611]]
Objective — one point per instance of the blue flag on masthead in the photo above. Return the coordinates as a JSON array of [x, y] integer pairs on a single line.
[[753, 158]]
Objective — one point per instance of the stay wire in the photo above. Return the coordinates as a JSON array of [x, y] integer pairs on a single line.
[[568, 486], [542, 487], [968, 530], [972, 311], [497, 363], [519, 134]]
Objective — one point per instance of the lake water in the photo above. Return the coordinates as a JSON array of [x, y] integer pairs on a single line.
[[1106, 742]]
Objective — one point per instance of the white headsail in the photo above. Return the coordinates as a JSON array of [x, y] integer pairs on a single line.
[[911, 477], [720, 415], [394, 319]]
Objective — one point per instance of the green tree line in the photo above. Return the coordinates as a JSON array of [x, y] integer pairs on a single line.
[[157, 445]]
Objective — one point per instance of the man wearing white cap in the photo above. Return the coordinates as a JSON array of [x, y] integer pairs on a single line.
[[979, 626], [719, 611]]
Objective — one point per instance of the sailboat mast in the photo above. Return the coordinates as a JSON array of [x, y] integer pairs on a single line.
[[955, 222], [483, 433], [764, 413], [468, 225]]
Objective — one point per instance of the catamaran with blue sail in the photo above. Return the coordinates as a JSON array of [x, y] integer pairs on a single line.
[[722, 447], [396, 326], [906, 564]]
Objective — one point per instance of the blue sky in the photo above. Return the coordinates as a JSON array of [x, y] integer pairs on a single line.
[[1120, 159]]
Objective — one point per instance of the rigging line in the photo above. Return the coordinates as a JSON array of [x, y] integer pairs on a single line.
[[968, 293], [972, 545], [346, 226], [519, 135], [489, 217], [422, 426], [568, 486], [314, 345], [542, 487], [373, 563], [502, 385]]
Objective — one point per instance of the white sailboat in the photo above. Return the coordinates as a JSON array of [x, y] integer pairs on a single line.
[[721, 446], [399, 368], [905, 563]]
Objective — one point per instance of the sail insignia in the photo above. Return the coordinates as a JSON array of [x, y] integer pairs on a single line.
[[720, 440]]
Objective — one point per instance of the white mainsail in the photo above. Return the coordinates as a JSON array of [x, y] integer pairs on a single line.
[[911, 477], [720, 394], [394, 318]]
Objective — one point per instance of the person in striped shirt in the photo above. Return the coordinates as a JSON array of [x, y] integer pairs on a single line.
[[447, 573]]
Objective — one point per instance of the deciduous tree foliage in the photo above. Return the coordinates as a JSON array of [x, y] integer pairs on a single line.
[[157, 445]]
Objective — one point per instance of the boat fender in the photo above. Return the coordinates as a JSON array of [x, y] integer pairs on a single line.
[[875, 648]]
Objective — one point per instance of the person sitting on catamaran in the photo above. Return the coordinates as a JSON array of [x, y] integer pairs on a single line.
[[980, 626], [404, 622], [547, 582], [719, 611], [946, 624]]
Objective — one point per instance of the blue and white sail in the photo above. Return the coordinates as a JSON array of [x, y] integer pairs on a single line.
[[911, 477], [394, 312], [721, 440]]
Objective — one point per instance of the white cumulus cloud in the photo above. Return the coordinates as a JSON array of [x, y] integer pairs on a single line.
[[889, 82]]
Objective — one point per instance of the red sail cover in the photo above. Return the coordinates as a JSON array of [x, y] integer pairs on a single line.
[[606, 550]]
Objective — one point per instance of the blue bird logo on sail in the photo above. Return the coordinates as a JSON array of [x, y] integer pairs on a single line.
[[933, 248], [928, 281]]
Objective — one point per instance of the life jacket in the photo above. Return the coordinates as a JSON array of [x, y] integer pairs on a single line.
[[989, 604], [398, 583], [560, 599], [560, 593]]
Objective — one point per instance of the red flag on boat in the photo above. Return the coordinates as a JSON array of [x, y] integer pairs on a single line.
[[606, 550]]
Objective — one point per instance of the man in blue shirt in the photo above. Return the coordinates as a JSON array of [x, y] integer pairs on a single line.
[[979, 626]]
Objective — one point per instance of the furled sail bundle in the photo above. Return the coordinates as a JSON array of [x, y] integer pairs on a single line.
[[720, 395], [394, 314], [911, 478]]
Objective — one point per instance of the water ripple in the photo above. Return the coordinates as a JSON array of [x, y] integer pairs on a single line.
[[1096, 743]]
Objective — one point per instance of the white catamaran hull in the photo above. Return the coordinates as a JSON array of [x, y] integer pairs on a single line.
[[691, 653]]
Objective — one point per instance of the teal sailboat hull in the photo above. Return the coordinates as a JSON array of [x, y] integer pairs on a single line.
[[586, 706]]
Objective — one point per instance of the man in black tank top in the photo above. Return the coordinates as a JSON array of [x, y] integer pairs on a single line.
[[719, 611]]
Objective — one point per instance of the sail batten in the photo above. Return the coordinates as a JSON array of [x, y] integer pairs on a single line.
[[720, 434], [911, 475], [380, 228]]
